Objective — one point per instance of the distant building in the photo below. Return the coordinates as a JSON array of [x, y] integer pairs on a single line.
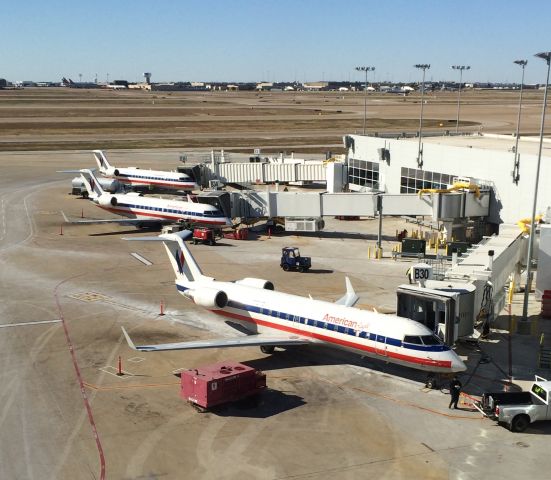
[[3, 83], [264, 86], [315, 86]]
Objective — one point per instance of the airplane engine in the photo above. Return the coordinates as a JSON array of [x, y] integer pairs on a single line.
[[256, 283], [116, 172], [106, 201], [208, 297]]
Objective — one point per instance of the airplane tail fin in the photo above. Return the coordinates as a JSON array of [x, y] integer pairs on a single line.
[[101, 160], [93, 187], [182, 261]]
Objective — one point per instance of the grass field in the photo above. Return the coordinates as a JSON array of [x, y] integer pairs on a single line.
[[63, 119]]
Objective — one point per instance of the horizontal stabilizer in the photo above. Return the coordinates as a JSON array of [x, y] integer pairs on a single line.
[[243, 341], [350, 298], [77, 170], [183, 234], [119, 221]]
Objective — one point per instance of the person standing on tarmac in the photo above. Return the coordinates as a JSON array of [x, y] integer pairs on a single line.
[[455, 390]]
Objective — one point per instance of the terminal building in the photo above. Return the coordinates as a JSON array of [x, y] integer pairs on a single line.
[[392, 165]]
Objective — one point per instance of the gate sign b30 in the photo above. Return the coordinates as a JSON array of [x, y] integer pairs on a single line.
[[421, 272]]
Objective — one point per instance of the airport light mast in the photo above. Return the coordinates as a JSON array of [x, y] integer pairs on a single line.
[[516, 165], [424, 67], [547, 57], [365, 69], [460, 68]]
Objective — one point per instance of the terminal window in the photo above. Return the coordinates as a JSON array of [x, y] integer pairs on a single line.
[[363, 173], [412, 180]]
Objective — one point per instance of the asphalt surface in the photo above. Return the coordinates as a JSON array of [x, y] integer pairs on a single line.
[[65, 414]]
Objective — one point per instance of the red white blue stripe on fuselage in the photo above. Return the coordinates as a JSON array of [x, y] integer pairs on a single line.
[[162, 214], [361, 342], [156, 182]]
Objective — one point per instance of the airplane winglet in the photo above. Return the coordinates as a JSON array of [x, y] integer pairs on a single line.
[[128, 339], [350, 298]]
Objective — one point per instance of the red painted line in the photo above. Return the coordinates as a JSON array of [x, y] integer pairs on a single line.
[[338, 341], [80, 381]]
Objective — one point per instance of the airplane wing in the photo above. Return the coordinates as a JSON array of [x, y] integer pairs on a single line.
[[120, 221], [243, 341], [350, 298]]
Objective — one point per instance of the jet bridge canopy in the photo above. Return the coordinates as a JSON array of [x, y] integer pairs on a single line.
[[444, 308]]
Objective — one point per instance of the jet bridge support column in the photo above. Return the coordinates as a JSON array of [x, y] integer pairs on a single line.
[[380, 232]]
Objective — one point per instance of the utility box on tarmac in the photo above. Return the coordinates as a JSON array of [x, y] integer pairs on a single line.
[[211, 385], [413, 247]]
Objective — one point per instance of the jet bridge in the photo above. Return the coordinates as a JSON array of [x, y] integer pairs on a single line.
[[473, 287], [253, 204]]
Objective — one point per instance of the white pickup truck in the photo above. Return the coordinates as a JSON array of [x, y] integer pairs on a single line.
[[517, 410]]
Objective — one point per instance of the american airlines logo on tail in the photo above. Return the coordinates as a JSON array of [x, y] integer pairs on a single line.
[[180, 260]]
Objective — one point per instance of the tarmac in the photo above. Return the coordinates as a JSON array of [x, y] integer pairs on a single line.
[[66, 414]]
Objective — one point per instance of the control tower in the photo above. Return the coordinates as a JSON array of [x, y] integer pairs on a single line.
[[147, 76]]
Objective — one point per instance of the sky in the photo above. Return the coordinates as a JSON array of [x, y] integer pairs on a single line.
[[276, 40]]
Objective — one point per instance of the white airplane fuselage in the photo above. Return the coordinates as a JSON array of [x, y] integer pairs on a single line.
[[136, 177], [385, 337], [148, 208]]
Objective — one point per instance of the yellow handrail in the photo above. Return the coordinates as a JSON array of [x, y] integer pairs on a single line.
[[525, 223], [456, 186]]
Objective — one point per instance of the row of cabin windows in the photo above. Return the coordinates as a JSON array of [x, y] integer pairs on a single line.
[[426, 340], [214, 213], [147, 177]]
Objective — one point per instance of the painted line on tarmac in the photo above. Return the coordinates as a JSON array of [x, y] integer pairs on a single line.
[[144, 260], [29, 323], [124, 387], [85, 400]]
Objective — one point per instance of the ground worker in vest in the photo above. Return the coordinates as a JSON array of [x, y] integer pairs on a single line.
[[455, 391]]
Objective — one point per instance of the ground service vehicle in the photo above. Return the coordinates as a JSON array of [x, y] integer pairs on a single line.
[[211, 385], [517, 410], [291, 260], [204, 235]]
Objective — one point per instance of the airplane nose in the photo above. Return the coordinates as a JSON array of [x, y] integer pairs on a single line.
[[457, 364]]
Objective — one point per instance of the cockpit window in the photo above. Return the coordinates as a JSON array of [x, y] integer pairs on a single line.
[[415, 340], [431, 340]]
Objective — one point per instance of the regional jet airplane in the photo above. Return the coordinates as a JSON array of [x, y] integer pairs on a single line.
[[276, 319], [141, 211], [136, 177]]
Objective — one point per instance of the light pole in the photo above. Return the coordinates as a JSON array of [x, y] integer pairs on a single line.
[[547, 57], [460, 68], [516, 165], [424, 67], [365, 69], [80, 77]]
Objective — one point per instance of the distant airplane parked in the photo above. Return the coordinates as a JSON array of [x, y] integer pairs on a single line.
[[277, 319], [152, 179], [70, 84], [142, 210], [397, 90]]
